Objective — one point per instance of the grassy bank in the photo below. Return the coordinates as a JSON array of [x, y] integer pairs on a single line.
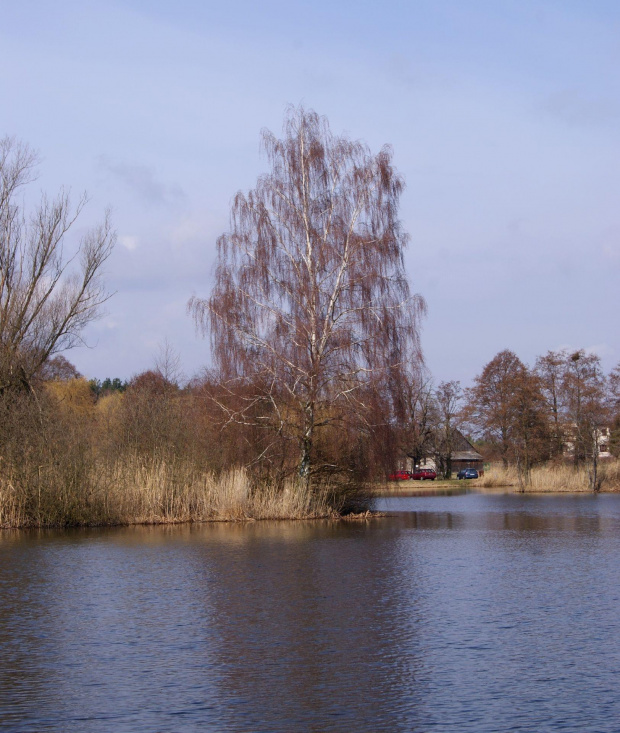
[[552, 478], [134, 490]]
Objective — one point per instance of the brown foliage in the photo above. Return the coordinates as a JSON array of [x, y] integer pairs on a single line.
[[529, 416], [550, 370], [506, 408], [58, 368]]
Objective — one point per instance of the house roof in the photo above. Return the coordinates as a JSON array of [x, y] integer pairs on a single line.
[[461, 444], [462, 449], [466, 455]]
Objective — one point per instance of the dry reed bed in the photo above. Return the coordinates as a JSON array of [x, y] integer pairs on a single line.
[[135, 491], [553, 478]]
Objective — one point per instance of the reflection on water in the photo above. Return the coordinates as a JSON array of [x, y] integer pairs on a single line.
[[462, 613]]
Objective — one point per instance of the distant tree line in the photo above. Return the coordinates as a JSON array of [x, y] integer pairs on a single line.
[[100, 388], [562, 408]]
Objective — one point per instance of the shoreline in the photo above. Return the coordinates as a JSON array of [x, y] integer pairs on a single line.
[[453, 486], [402, 489], [352, 517]]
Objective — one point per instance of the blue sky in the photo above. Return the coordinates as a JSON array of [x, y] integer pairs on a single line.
[[503, 116]]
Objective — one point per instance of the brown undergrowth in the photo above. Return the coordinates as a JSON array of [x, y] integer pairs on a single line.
[[135, 490], [552, 478]]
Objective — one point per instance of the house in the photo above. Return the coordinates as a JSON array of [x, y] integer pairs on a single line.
[[464, 455], [603, 440]]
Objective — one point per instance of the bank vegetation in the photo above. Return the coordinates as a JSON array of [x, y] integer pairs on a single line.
[[552, 477], [312, 328], [153, 453]]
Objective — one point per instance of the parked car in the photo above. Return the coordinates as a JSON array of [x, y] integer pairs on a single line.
[[399, 476], [467, 473], [423, 474]]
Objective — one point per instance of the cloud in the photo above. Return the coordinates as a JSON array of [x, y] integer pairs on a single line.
[[109, 324], [570, 106], [142, 181], [197, 228], [129, 242]]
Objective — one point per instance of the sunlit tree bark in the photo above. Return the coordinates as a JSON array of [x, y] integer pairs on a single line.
[[311, 304]]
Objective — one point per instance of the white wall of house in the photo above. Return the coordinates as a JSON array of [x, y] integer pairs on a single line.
[[603, 440], [424, 463]]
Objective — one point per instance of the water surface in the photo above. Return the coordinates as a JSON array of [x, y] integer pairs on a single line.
[[456, 613]]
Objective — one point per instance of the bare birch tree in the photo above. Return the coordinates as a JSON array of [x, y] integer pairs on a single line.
[[46, 296], [311, 305]]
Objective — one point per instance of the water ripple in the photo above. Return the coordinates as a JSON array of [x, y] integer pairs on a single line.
[[466, 613]]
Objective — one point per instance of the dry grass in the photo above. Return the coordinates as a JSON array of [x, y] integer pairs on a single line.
[[11, 511], [138, 491], [553, 478], [163, 491], [496, 477]]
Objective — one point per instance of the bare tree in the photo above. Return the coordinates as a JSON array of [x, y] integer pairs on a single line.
[[614, 387], [613, 381], [550, 370], [311, 305], [506, 407], [168, 363], [448, 396], [46, 296], [530, 432], [415, 415], [491, 408], [59, 369], [586, 405]]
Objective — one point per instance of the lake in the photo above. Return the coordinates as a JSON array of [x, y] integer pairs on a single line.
[[475, 612]]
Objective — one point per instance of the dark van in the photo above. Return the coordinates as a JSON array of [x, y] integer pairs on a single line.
[[467, 473]]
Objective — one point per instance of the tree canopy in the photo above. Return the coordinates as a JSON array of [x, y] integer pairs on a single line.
[[311, 309]]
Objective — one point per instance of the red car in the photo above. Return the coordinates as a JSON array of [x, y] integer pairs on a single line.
[[399, 476], [423, 474]]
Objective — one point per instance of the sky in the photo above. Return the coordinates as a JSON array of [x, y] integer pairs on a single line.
[[503, 116]]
